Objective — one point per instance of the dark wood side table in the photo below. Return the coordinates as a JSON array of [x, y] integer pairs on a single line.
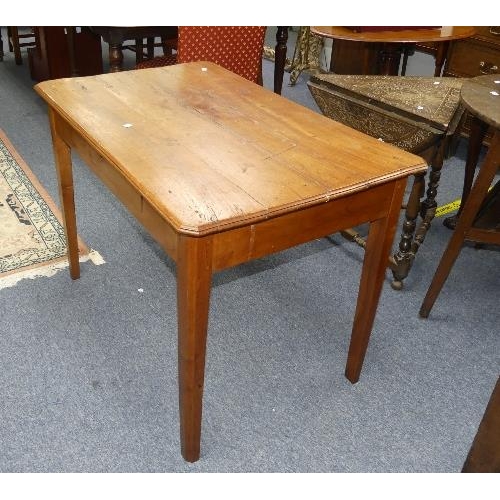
[[480, 217], [379, 52], [114, 36], [478, 129], [417, 114]]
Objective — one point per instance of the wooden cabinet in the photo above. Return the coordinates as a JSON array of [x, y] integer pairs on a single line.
[[474, 56], [354, 58], [62, 52]]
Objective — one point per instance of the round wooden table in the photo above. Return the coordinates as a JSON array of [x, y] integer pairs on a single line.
[[392, 43], [479, 125], [479, 220]]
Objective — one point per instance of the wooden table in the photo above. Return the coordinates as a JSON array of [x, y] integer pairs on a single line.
[[388, 45], [478, 129], [236, 179], [479, 220]]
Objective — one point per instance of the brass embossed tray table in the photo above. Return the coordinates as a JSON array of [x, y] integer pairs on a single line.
[[417, 114]]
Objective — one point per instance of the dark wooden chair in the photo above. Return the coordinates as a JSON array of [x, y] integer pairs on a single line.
[[18, 40], [236, 48]]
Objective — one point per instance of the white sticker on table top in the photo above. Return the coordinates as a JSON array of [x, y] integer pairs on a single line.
[[127, 125], [494, 92]]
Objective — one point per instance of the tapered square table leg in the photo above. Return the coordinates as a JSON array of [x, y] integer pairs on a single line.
[[378, 246], [194, 272], [62, 155]]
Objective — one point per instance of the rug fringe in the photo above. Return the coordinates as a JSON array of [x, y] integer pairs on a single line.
[[95, 257], [48, 270]]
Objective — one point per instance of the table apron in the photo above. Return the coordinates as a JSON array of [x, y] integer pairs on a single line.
[[235, 246], [262, 238], [116, 182]]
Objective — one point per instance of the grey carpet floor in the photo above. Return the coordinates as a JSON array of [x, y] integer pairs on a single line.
[[88, 368]]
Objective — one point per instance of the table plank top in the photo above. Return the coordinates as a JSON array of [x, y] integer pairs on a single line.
[[212, 151], [430, 101]]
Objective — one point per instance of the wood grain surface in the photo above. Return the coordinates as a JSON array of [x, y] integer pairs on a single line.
[[221, 171]]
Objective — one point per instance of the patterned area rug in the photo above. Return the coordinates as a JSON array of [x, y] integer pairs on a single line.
[[32, 240]]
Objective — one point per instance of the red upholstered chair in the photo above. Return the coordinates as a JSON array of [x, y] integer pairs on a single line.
[[236, 48]]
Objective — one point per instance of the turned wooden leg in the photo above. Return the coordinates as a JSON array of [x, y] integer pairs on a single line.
[[472, 205], [389, 58], [150, 47], [194, 274], [280, 58], [139, 50], [403, 258], [378, 246], [167, 49], [478, 131], [168, 45], [15, 45], [71, 33], [115, 57], [62, 154], [9, 37], [429, 205], [409, 50], [441, 51]]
